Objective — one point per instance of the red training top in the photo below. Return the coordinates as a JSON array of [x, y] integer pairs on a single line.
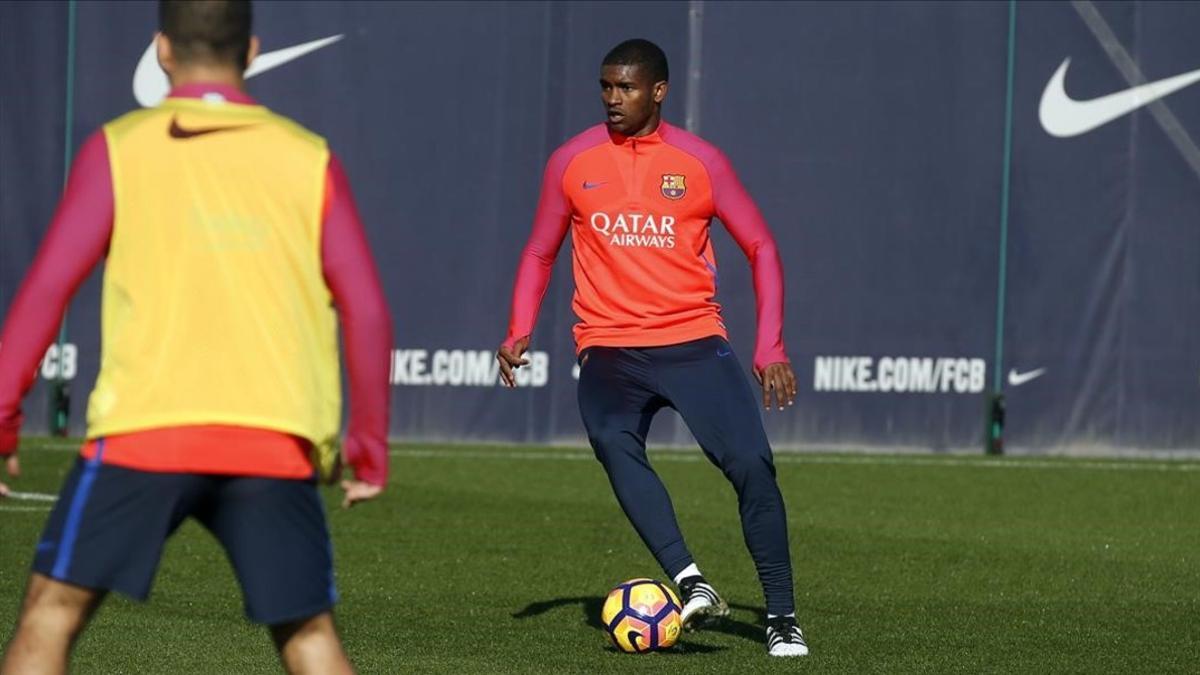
[[639, 210]]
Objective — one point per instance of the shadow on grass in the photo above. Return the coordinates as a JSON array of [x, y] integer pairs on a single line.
[[591, 606]]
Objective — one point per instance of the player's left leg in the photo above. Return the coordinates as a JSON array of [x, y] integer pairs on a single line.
[[311, 646], [105, 533], [706, 385], [52, 617], [275, 534]]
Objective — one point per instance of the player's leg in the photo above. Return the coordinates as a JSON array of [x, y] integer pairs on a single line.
[[617, 402], [310, 646], [275, 534], [106, 532], [52, 617], [705, 383]]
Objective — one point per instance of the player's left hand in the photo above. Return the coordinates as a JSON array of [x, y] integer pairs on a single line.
[[510, 359], [780, 380], [358, 491], [13, 466]]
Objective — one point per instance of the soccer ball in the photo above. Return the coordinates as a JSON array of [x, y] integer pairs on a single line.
[[641, 615]]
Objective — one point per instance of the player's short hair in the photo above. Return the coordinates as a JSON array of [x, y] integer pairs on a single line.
[[643, 53], [207, 31]]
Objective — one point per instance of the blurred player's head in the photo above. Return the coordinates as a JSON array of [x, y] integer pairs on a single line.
[[633, 85], [204, 39]]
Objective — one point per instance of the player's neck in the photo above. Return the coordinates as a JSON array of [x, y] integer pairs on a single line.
[[207, 75], [650, 127]]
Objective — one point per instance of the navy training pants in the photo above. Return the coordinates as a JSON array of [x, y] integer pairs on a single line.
[[620, 390]]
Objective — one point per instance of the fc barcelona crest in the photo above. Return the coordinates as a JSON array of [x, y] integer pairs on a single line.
[[673, 186]]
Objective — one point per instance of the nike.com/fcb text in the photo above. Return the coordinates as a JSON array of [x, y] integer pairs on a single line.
[[462, 368], [60, 362], [900, 374]]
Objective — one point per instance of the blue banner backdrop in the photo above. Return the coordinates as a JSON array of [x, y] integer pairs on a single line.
[[872, 135]]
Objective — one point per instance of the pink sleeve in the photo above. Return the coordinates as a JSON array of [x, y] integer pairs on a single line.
[[742, 218], [366, 327], [537, 259], [76, 240]]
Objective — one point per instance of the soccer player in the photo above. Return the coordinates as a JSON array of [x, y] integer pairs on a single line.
[[638, 195], [231, 236]]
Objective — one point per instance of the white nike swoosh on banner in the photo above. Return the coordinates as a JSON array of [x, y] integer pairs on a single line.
[[1016, 379], [1063, 116], [150, 84]]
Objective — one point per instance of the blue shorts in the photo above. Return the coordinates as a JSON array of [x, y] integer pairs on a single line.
[[109, 526]]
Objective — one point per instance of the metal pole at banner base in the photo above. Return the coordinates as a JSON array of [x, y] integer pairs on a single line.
[[994, 444], [60, 393]]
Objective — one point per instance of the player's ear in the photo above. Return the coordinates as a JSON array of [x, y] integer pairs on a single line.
[[252, 52], [660, 91], [166, 55]]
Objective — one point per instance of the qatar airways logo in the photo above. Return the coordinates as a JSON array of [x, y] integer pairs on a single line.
[[644, 230]]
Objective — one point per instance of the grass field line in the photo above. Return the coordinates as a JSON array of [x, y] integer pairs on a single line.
[[18, 509], [796, 458], [691, 455]]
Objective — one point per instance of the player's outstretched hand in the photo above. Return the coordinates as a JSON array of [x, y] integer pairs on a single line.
[[511, 359], [358, 491], [13, 466], [780, 380]]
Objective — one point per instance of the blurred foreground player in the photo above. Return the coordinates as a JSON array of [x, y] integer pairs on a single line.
[[638, 196], [231, 236]]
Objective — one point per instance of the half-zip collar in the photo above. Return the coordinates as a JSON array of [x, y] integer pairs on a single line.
[[638, 142]]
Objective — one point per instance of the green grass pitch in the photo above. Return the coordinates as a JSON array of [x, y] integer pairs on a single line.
[[496, 559]]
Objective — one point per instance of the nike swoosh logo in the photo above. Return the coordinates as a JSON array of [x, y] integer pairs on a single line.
[[1016, 379], [591, 186], [724, 352], [150, 84], [177, 131], [1063, 116]]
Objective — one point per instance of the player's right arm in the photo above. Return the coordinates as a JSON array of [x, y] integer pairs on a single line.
[[77, 239], [550, 225], [366, 324]]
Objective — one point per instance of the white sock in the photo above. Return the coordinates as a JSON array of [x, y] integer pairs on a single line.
[[689, 571], [776, 616]]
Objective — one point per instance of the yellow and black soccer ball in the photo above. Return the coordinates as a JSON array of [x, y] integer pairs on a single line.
[[642, 615]]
